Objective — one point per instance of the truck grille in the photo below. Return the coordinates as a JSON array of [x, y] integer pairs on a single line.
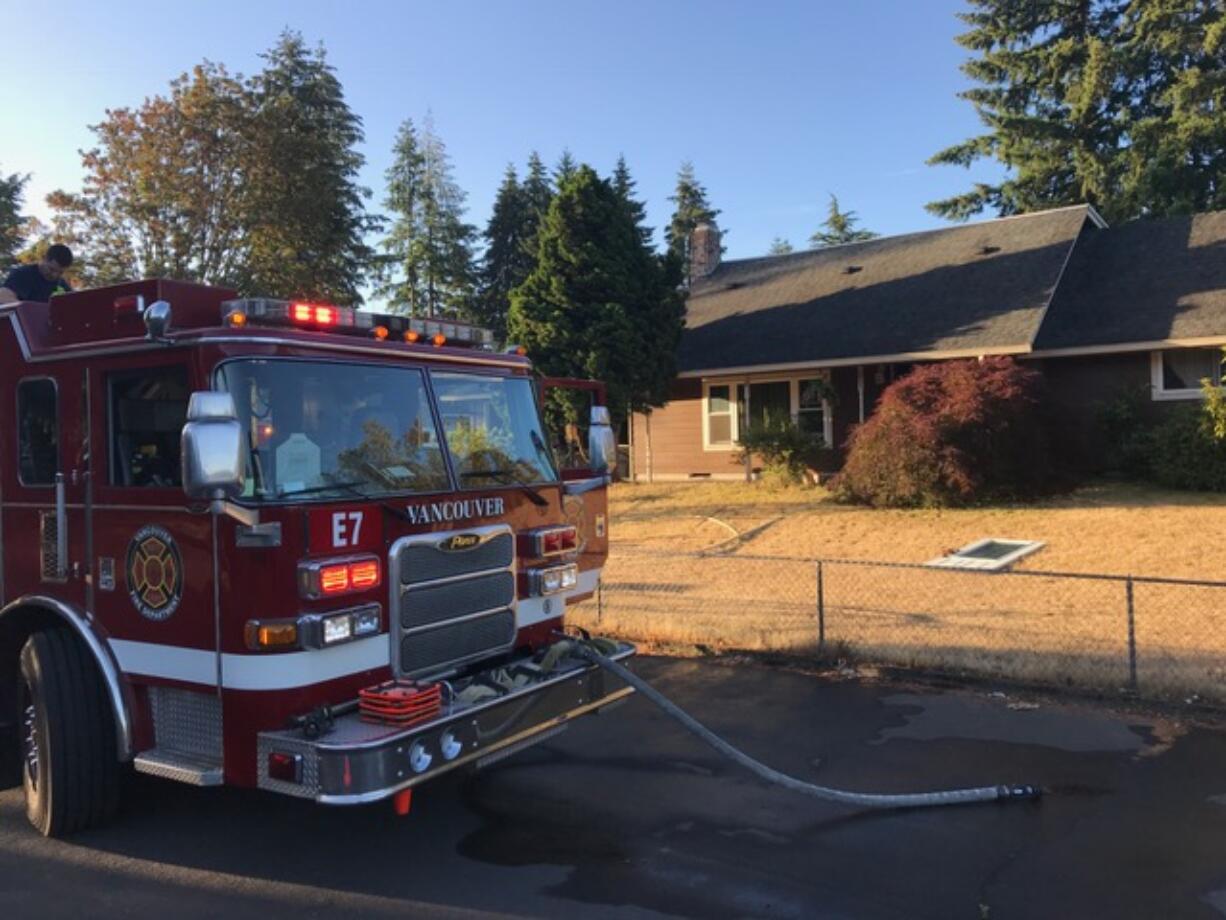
[[452, 606]]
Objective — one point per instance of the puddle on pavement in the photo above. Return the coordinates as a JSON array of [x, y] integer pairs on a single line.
[[933, 717]]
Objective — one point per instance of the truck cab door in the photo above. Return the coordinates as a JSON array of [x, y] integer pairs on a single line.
[[566, 405]]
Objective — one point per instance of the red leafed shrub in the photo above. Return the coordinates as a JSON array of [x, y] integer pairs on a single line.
[[955, 433]]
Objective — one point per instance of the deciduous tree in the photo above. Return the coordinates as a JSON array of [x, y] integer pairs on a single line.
[[12, 224], [164, 187]]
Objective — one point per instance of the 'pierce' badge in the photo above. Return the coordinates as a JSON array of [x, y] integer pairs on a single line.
[[458, 542], [155, 573]]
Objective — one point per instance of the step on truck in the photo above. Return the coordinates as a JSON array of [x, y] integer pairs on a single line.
[[318, 551]]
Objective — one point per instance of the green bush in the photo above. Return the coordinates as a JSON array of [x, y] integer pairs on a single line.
[[787, 452], [1128, 434], [1185, 454]]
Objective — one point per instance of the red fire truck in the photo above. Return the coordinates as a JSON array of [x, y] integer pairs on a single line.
[[291, 546]]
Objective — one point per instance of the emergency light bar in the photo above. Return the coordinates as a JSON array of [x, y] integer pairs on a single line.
[[381, 326]]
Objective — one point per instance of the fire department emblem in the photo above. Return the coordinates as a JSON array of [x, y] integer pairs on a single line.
[[155, 573]]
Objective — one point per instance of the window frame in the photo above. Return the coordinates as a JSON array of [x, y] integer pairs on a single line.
[[1158, 390], [107, 380], [733, 427], [736, 386], [55, 385]]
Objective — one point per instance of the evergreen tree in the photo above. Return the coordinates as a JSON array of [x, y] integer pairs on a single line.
[[507, 261], [599, 303], [565, 169], [304, 208], [840, 228], [12, 230], [1175, 55], [780, 247], [538, 193], [1121, 103], [430, 245], [624, 185], [690, 209], [403, 268]]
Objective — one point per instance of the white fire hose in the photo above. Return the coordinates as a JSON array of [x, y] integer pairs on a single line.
[[588, 648]]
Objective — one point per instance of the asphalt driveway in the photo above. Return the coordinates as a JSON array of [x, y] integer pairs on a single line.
[[625, 815]]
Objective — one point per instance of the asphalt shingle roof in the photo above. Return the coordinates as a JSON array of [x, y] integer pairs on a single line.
[[1145, 281], [979, 288]]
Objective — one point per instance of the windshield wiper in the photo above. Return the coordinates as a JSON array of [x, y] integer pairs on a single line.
[[352, 489], [509, 477]]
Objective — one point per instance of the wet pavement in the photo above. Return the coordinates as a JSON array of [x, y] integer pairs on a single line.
[[625, 815]]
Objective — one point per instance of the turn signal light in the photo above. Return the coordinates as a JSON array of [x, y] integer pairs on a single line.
[[379, 332], [266, 635], [236, 319], [411, 336], [439, 339]]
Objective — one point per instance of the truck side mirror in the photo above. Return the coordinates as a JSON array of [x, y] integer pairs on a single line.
[[602, 447], [214, 456]]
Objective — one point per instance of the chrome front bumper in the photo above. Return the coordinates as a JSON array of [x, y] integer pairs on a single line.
[[363, 762]]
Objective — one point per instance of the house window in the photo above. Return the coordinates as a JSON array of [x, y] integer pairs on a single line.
[[1177, 372], [731, 409], [768, 403], [811, 406], [38, 432], [718, 418]]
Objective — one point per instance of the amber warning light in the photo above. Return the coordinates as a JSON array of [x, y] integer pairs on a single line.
[[382, 327]]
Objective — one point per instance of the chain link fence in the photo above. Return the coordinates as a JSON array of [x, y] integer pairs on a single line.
[[1163, 638]]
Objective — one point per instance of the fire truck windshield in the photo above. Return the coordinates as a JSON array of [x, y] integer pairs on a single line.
[[493, 430], [331, 429]]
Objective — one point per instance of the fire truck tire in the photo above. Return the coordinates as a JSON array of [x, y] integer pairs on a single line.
[[70, 768]]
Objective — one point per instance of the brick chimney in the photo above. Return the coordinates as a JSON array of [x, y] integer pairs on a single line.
[[704, 249]]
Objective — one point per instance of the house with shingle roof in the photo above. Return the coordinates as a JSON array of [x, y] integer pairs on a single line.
[[818, 335]]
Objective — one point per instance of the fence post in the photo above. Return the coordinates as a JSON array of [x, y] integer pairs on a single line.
[[821, 609], [1132, 636]]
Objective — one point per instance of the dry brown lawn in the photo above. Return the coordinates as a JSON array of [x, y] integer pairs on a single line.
[[687, 566]]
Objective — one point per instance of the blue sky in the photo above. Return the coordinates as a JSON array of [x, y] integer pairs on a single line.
[[776, 103]]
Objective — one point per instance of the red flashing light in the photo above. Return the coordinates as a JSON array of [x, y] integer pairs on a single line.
[[314, 313], [334, 579], [439, 339], [365, 574], [412, 336], [379, 332]]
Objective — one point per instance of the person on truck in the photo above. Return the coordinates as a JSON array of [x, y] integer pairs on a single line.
[[41, 280]]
